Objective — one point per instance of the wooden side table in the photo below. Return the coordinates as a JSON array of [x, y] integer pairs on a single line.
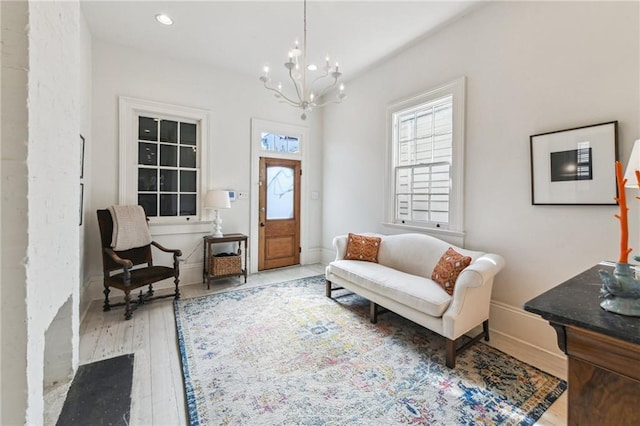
[[603, 351], [208, 272]]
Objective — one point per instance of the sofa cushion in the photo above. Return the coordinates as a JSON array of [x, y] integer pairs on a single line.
[[417, 292], [361, 247], [448, 268]]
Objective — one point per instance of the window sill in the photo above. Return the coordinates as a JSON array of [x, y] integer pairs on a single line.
[[429, 231], [191, 227]]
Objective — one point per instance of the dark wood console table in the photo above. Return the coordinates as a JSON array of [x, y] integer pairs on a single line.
[[208, 271], [603, 351]]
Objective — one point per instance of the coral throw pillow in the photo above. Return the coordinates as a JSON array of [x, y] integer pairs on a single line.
[[448, 268], [363, 248]]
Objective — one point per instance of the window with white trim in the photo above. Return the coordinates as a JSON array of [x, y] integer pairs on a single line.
[[167, 166], [427, 134], [162, 153]]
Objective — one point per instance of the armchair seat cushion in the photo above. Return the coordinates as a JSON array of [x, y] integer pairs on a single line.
[[422, 294], [141, 277]]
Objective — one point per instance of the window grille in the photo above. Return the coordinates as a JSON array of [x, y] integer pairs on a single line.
[[168, 167]]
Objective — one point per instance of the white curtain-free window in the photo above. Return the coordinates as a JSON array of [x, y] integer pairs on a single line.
[[163, 159], [426, 143]]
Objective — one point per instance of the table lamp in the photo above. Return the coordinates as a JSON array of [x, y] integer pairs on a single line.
[[216, 200]]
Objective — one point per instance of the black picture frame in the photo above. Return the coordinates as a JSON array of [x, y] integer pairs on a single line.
[[81, 203], [575, 166], [82, 141]]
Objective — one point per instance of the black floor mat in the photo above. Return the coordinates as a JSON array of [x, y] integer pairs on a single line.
[[100, 394]]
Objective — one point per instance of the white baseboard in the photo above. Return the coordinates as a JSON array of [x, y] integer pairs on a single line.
[[527, 337], [85, 299], [328, 255], [311, 256]]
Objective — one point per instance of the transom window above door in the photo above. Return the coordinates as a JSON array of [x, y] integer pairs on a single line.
[[280, 143]]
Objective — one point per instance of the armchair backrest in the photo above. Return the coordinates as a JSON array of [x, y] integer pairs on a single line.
[[137, 256]]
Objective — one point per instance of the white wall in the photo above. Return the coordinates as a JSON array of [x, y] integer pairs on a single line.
[[232, 99], [531, 67]]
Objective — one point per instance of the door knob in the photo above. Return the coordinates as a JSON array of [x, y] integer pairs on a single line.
[[262, 224]]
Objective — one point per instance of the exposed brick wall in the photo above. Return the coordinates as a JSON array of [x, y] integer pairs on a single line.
[[54, 177], [40, 196]]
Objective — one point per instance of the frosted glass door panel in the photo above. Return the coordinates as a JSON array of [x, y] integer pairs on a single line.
[[279, 192]]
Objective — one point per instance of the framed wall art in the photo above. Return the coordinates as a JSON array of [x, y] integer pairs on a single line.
[[81, 156], [575, 166], [81, 203]]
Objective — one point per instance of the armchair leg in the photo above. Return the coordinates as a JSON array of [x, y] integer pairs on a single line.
[[485, 330], [177, 294], [106, 307], [127, 302], [328, 288]]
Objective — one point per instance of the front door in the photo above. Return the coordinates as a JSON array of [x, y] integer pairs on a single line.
[[279, 213]]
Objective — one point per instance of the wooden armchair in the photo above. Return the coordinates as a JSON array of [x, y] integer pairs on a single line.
[[120, 269]]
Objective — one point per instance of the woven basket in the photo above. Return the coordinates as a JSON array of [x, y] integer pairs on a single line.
[[226, 265]]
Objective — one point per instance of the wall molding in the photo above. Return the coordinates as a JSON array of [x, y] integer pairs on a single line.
[[526, 336], [328, 255], [311, 256]]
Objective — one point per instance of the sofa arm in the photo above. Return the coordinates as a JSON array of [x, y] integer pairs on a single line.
[[479, 272], [340, 244], [472, 296]]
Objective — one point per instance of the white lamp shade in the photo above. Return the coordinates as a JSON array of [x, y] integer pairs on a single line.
[[216, 200], [632, 166]]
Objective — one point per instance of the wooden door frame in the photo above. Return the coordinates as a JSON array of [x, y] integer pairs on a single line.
[[257, 127]]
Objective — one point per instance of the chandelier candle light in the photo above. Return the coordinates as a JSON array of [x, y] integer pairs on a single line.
[[621, 290], [306, 97]]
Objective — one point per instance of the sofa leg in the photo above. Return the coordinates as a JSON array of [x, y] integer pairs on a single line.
[[373, 312], [452, 350], [328, 288], [451, 353]]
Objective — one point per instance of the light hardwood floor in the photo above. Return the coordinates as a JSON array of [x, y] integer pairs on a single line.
[[158, 391]]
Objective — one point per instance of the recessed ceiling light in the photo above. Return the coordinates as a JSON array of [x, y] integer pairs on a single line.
[[164, 19]]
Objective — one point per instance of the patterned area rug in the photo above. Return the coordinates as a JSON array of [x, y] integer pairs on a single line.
[[284, 354]]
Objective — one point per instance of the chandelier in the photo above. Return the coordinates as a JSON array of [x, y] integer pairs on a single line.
[[308, 91]]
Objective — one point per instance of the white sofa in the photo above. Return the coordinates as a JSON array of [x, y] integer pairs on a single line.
[[401, 282]]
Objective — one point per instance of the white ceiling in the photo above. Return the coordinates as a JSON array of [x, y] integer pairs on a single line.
[[243, 36]]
